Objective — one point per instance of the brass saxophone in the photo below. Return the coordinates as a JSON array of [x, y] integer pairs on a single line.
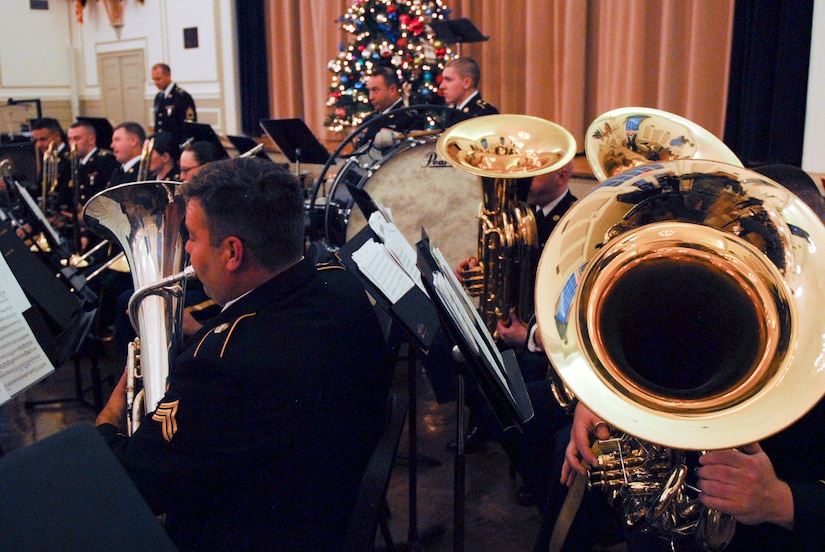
[[503, 149], [667, 301], [145, 219]]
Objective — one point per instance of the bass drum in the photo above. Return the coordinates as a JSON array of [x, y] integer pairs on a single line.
[[420, 190]]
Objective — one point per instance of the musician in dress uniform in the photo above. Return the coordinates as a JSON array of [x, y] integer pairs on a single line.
[[459, 85], [384, 89], [94, 167], [173, 104], [127, 145], [266, 427], [163, 164]]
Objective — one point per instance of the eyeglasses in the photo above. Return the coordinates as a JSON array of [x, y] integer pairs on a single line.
[[188, 169]]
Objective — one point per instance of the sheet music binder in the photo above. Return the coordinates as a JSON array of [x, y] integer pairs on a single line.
[[415, 311], [296, 141], [454, 31], [508, 397]]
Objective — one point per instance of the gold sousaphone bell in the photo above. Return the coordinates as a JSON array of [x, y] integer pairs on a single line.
[[502, 149], [698, 272]]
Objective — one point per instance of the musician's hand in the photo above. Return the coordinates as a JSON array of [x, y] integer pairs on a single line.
[[586, 425], [514, 332], [190, 325], [115, 410], [743, 484], [464, 266]]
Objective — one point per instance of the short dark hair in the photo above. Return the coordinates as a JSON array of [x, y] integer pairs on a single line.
[[47, 123], [84, 124], [133, 128], [466, 67], [163, 67], [205, 152], [164, 142], [255, 200], [389, 75]]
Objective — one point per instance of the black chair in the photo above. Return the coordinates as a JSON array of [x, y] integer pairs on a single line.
[[371, 508]]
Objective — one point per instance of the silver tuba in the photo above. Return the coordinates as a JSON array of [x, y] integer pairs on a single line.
[[145, 219], [503, 149], [678, 301]]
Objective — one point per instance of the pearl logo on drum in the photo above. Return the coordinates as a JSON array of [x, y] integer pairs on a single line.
[[434, 161]]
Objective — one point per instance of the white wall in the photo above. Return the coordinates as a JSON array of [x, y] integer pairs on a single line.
[[46, 54], [813, 152]]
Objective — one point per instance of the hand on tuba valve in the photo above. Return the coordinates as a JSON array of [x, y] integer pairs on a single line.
[[669, 303]]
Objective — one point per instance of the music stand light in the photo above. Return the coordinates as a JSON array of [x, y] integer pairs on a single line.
[[202, 132], [296, 142], [244, 144]]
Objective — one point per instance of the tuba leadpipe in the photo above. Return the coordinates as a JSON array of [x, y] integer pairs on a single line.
[[145, 219], [667, 301], [502, 149]]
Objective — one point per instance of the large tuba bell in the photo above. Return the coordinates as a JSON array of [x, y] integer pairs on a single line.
[[502, 149], [145, 219], [679, 302]]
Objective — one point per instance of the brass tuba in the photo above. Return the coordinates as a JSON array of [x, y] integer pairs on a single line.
[[675, 301], [502, 149], [145, 219]]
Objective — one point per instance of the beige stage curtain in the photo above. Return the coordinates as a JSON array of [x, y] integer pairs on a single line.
[[567, 61]]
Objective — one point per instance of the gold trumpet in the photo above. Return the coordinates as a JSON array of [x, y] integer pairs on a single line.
[[503, 149], [668, 301]]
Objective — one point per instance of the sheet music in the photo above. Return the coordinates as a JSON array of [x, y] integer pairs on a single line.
[[467, 318], [22, 360], [397, 245], [376, 263]]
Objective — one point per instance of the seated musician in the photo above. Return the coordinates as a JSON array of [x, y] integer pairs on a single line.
[[265, 430], [385, 96]]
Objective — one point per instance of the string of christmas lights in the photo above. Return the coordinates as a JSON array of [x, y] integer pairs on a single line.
[[394, 33]]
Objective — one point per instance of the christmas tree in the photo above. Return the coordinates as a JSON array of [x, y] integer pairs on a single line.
[[395, 33]]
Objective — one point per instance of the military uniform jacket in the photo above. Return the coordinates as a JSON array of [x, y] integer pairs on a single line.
[[172, 110], [94, 173], [476, 107], [391, 118], [271, 414], [121, 176]]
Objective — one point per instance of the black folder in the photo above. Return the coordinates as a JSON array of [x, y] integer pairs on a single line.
[[68, 492], [296, 141], [507, 394], [415, 311]]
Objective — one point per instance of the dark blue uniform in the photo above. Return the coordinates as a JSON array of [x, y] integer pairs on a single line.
[[271, 415], [172, 110]]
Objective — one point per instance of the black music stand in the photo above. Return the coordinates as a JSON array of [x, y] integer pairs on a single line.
[[202, 132], [244, 144], [296, 142], [103, 130], [457, 31], [498, 376]]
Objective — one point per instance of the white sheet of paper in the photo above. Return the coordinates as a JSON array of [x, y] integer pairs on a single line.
[[376, 263], [22, 360]]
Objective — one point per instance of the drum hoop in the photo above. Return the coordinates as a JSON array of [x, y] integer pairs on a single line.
[[346, 209]]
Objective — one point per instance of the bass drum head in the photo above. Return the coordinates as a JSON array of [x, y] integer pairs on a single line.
[[420, 189]]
